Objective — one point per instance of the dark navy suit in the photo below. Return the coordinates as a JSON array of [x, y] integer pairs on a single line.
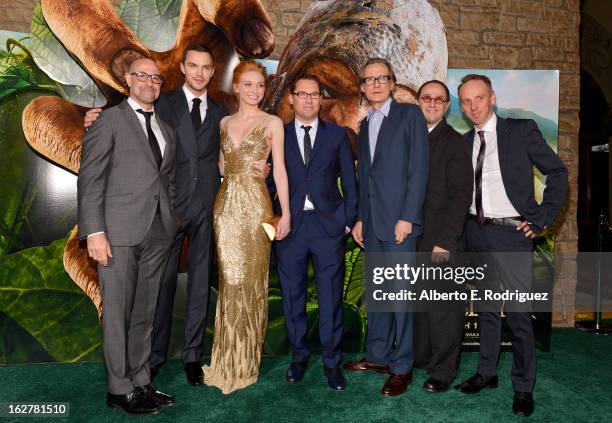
[[392, 187], [197, 183], [318, 233]]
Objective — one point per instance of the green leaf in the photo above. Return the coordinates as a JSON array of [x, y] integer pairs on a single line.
[[154, 22], [39, 295], [53, 58], [353, 277], [17, 345], [16, 191], [19, 73]]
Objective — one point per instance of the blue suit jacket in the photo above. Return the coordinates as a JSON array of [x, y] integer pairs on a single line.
[[520, 147], [392, 185], [331, 157]]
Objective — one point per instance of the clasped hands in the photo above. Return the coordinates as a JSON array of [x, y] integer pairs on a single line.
[[402, 230]]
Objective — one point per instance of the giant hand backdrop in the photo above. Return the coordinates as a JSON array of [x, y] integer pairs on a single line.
[[77, 52]]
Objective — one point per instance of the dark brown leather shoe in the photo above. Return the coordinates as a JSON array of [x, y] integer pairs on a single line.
[[396, 384], [364, 365]]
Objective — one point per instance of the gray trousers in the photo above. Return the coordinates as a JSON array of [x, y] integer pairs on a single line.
[[130, 284]]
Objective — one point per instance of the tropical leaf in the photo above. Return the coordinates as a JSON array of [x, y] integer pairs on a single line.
[[17, 345], [53, 58], [154, 22], [353, 277], [18, 72], [16, 192], [39, 296]]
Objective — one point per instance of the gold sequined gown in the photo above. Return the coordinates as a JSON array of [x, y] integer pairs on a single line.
[[243, 251]]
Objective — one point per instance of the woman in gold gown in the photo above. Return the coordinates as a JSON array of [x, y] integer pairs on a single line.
[[243, 248]]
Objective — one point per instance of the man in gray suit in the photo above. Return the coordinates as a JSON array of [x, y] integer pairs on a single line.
[[126, 199]]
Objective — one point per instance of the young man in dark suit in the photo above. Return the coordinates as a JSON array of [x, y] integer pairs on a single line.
[[393, 167], [438, 333], [504, 217], [316, 153]]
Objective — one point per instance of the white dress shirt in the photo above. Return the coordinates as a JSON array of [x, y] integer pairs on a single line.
[[495, 201], [154, 125], [300, 136], [203, 103]]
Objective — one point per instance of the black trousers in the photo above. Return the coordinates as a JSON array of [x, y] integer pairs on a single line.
[[437, 343], [511, 273], [199, 269]]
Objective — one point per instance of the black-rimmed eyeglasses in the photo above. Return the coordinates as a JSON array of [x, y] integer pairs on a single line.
[[143, 76], [303, 95], [371, 80]]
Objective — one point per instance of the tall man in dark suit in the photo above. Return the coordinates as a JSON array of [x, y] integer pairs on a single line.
[[393, 168], [195, 117], [438, 333], [126, 201], [316, 153], [504, 217]]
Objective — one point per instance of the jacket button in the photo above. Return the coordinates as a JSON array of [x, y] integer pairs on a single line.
[[195, 178]]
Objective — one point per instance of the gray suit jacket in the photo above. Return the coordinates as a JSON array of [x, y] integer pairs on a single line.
[[119, 185]]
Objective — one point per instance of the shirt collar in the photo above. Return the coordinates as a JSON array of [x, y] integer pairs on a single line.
[[430, 130], [384, 109], [134, 105], [314, 125], [189, 95], [490, 126]]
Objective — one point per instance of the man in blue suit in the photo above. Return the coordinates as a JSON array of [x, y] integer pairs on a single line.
[[316, 153], [393, 164]]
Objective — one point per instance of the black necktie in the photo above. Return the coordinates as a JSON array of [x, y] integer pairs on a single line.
[[478, 179], [196, 118], [151, 137], [307, 145]]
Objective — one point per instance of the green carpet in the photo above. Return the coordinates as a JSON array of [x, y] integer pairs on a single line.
[[574, 385]]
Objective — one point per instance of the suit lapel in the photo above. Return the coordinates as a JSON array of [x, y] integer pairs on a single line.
[[183, 117], [363, 139], [503, 143], [134, 124], [292, 145], [167, 137]]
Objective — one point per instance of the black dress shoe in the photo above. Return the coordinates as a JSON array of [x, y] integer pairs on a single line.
[[296, 371], [194, 372], [133, 404], [434, 385], [477, 383], [523, 404], [335, 378], [164, 400]]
